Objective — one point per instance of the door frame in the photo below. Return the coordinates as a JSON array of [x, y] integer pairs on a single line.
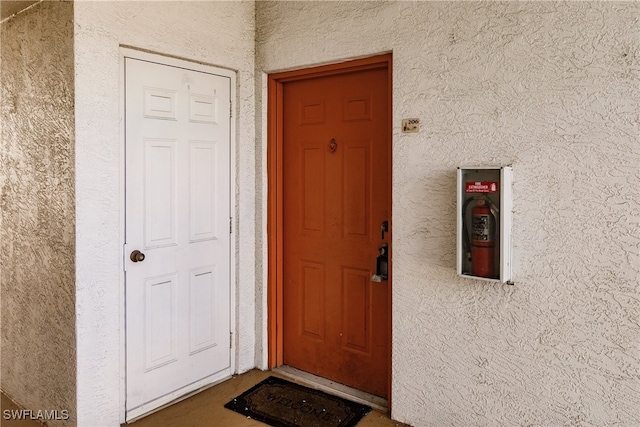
[[275, 187], [145, 55]]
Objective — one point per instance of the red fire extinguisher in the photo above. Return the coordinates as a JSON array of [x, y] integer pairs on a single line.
[[483, 243], [480, 243]]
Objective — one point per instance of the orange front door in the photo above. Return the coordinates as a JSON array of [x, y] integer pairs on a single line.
[[336, 153]]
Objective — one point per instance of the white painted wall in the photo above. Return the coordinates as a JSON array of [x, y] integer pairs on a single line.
[[554, 90], [217, 33]]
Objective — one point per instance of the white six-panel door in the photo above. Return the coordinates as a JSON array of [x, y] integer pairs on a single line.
[[177, 136]]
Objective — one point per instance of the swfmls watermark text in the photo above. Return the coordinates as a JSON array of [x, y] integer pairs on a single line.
[[40, 415]]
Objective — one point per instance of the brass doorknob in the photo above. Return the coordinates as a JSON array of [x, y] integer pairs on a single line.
[[137, 256]]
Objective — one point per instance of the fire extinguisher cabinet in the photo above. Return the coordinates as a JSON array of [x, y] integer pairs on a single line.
[[484, 223]]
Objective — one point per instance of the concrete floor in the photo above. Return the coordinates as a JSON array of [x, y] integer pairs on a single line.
[[206, 409]]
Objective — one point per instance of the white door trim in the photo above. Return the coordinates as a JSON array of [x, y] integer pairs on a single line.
[[196, 66]]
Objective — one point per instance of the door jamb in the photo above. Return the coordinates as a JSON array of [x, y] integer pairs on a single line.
[[275, 209], [135, 53]]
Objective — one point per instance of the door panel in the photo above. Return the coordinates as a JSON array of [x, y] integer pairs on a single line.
[[312, 302], [159, 192], [357, 191], [202, 190], [160, 321], [204, 294], [356, 314], [336, 195], [312, 193], [177, 213]]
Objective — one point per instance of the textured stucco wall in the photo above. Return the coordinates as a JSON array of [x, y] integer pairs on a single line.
[[37, 199], [554, 90], [217, 33]]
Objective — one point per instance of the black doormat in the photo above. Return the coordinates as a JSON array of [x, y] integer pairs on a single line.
[[281, 403]]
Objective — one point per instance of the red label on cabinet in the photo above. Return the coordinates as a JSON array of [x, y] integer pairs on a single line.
[[482, 187]]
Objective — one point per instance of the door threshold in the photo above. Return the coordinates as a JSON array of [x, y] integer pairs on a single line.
[[334, 388]]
